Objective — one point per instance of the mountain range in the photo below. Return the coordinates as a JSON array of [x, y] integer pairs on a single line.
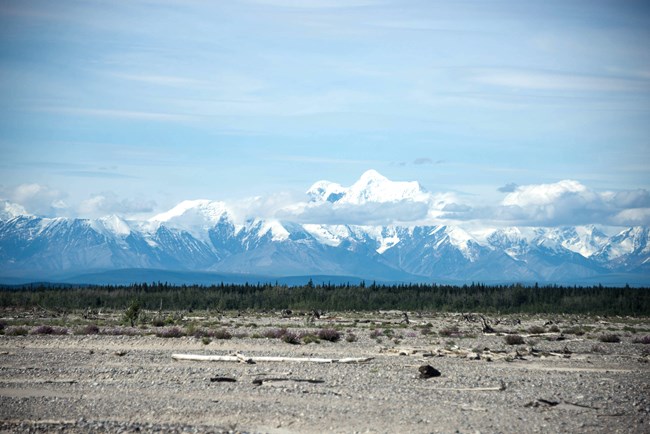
[[200, 241]]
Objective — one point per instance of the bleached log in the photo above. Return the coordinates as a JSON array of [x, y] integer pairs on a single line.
[[242, 358]]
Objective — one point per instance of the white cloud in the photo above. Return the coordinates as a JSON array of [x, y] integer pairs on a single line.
[[109, 203], [545, 194], [37, 199], [566, 202], [553, 80], [368, 213]]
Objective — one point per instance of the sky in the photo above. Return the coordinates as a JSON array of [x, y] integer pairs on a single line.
[[519, 111]]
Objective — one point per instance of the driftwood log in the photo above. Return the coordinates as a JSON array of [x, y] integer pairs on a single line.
[[254, 359]]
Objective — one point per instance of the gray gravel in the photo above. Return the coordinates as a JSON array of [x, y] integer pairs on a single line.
[[80, 384]]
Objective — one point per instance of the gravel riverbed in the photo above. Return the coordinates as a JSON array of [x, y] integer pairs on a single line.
[[552, 383]]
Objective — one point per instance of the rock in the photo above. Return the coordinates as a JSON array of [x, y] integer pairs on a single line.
[[428, 371]]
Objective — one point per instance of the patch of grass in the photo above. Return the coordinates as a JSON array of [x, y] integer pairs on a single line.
[[310, 338], [629, 329], [609, 338], [536, 330], [554, 329], [514, 340], [121, 331], [351, 337], [205, 340]]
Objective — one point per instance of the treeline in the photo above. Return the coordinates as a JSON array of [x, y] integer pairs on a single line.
[[414, 297]]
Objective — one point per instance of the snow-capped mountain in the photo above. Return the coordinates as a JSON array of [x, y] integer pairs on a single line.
[[202, 235], [371, 187]]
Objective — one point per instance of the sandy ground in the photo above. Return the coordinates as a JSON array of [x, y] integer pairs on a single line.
[[552, 383]]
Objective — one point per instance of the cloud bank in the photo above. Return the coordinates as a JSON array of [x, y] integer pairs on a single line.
[[375, 200]]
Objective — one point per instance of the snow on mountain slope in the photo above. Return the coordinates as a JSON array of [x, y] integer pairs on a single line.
[[111, 224], [629, 248], [323, 191], [370, 187], [9, 210], [193, 216]]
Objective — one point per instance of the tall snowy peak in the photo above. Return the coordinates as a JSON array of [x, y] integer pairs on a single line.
[[370, 187], [325, 191], [196, 217]]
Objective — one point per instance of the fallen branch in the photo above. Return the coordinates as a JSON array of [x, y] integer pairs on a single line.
[[260, 381], [472, 389], [468, 389], [223, 380], [245, 359]]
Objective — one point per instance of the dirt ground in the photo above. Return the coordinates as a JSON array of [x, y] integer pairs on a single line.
[[564, 377]]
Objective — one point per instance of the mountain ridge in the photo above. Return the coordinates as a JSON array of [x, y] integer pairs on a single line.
[[203, 236]]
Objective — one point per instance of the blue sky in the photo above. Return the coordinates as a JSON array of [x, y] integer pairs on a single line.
[[148, 102]]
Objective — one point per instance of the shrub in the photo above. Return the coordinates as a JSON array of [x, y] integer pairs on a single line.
[[351, 337], [42, 330], [331, 335], [610, 338], [375, 333], [554, 329], [221, 334], [205, 340], [274, 333], [197, 332], [16, 331], [158, 321], [291, 338], [425, 331], [449, 331], [49, 330], [644, 340], [90, 329], [514, 340], [578, 331], [132, 313], [170, 332], [121, 331], [536, 330], [598, 349]]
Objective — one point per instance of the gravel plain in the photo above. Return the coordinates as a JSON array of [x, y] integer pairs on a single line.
[[555, 381]]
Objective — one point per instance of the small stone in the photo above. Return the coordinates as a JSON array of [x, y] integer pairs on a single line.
[[428, 371]]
